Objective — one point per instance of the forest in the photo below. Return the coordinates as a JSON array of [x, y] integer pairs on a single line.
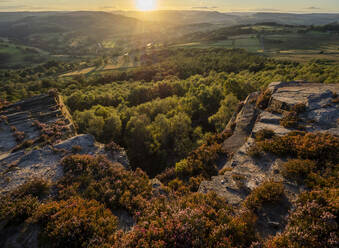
[[162, 111]]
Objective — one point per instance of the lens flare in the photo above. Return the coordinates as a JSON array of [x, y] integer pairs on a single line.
[[145, 5]]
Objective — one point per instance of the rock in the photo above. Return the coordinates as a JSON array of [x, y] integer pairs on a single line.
[[21, 236], [320, 115], [126, 221], [157, 187], [243, 124], [18, 164]]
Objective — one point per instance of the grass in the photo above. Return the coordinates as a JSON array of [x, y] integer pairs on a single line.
[[284, 43], [246, 42], [20, 55]]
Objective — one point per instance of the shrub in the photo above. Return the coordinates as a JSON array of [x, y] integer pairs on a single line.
[[224, 170], [99, 179], [167, 175], [268, 192], [52, 132], [16, 210], [315, 146], [290, 120], [195, 220], [3, 103], [20, 204], [23, 145], [297, 169], [75, 223], [202, 161], [178, 185], [264, 99], [254, 151], [113, 148], [264, 134], [19, 136], [4, 118], [299, 108], [313, 224], [35, 187], [53, 92], [76, 149]]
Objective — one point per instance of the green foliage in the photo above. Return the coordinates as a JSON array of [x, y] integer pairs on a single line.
[[225, 112], [75, 223], [202, 86], [102, 122], [203, 160], [266, 193]]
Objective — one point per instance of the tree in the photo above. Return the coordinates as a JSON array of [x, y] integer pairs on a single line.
[[224, 114]]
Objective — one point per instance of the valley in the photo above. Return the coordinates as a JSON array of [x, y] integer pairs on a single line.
[[169, 128]]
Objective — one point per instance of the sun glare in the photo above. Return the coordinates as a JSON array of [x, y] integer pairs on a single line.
[[145, 5]]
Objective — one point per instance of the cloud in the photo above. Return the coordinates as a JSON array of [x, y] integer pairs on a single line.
[[13, 7], [255, 10], [266, 10], [204, 7], [107, 7], [312, 8]]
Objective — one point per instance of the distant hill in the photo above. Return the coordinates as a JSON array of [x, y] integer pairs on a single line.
[[67, 32], [215, 17], [178, 17], [293, 19], [25, 24]]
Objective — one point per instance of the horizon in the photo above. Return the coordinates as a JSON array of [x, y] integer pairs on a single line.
[[167, 10], [230, 6]]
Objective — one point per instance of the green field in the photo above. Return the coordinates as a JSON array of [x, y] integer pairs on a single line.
[[251, 44], [287, 43], [12, 55]]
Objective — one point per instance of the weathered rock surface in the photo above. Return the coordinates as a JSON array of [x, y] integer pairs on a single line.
[[39, 116], [244, 173]]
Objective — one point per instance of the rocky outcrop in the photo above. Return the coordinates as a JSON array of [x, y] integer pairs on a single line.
[[35, 135], [244, 173]]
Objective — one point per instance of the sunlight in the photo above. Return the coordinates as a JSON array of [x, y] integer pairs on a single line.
[[145, 5]]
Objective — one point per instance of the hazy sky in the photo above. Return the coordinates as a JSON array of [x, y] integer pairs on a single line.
[[220, 5]]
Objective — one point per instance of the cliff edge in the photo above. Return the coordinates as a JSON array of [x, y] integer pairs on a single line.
[[35, 134], [284, 108]]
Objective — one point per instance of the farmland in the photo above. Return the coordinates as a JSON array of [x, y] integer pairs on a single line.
[[283, 42], [13, 55]]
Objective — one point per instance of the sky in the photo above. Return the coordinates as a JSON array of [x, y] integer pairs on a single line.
[[313, 6]]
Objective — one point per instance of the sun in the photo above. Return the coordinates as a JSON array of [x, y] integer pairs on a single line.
[[145, 5]]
